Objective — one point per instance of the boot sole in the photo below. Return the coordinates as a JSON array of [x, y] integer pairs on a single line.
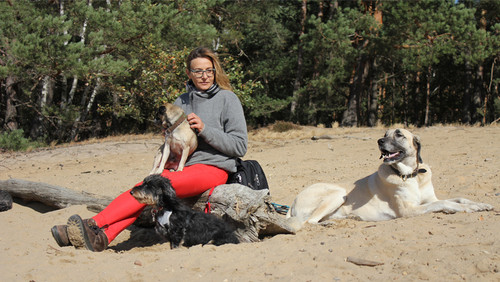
[[57, 238], [76, 233]]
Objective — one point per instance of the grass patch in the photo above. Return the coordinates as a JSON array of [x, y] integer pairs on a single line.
[[283, 126]]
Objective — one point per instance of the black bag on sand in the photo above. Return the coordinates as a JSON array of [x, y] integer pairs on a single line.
[[249, 173]]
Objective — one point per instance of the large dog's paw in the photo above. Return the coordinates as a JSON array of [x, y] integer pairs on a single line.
[[476, 207], [465, 205], [462, 201]]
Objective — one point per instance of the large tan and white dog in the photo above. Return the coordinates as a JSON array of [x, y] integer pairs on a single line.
[[180, 140], [401, 187]]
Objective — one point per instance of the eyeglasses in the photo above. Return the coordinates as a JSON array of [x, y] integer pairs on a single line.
[[199, 73]]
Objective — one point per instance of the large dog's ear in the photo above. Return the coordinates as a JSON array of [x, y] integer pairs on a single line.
[[416, 143]]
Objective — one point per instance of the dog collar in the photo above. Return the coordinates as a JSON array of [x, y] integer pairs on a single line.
[[178, 122], [154, 211], [413, 174]]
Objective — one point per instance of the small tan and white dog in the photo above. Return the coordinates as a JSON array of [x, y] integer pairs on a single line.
[[401, 187], [180, 140]]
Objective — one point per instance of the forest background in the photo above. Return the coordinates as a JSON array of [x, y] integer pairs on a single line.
[[73, 70]]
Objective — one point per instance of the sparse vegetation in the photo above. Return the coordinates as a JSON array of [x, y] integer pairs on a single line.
[[283, 126]]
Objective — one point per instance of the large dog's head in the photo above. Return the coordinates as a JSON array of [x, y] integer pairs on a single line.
[[156, 190], [400, 146], [168, 114]]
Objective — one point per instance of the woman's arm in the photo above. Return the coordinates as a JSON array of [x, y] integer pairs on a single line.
[[233, 139]]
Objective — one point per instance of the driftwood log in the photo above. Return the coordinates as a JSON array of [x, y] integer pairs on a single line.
[[249, 211], [51, 195], [328, 137]]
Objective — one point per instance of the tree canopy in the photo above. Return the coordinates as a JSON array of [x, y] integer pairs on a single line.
[[70, 70]]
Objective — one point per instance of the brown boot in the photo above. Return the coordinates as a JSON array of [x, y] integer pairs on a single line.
[[60, 234], [85, 233]]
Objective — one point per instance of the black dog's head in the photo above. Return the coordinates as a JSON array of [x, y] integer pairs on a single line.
[[156, 190]]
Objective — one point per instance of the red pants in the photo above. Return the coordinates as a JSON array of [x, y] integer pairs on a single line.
[[125, 209]]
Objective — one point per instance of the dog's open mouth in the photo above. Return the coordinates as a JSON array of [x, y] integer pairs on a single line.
[[391, 156]]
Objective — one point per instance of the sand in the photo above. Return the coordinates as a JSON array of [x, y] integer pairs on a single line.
[[436, 247]]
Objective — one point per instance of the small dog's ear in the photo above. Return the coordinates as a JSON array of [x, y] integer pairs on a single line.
[[416, 143], [169, 196]]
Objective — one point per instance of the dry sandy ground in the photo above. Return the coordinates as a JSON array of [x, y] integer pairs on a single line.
[[436, 247]]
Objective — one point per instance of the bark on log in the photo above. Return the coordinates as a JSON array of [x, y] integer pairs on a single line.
[[51, 195], [249, 211]]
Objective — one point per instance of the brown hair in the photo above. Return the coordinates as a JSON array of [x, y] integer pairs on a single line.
[[220, 76]]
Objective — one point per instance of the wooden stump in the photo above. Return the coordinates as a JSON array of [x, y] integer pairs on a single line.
[[250, 211]]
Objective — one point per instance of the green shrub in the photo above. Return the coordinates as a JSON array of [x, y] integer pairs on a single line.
[[15, 141], [282, 126]]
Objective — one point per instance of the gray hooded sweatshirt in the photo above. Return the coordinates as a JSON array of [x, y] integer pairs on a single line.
[[224, 137]]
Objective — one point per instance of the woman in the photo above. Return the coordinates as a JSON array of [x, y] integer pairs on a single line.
[[216, 114]]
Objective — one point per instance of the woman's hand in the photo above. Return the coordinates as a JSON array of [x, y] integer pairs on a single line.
[[195, 122]]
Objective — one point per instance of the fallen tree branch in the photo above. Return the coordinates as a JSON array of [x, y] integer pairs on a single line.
[[363, 262], [338, 137], [51, 195]]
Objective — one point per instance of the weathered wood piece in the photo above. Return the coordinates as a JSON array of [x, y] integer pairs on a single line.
[[51, 195], [363, 262], [328, 137], [250, 211]]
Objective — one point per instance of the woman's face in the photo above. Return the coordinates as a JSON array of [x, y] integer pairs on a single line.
[[196, 69]]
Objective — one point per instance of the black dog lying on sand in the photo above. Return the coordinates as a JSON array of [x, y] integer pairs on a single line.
[[177, 222]]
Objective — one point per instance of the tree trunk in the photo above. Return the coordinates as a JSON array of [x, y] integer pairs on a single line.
[[64, 93], [37, 123], [78, 120], [372, 108], [92, 99], [47, 92], [83, 31], [374, 94], [428, 96], [298, 74], [416, 100], [405, 101], [10, 107], [466, 100], [38, 128], [86, 111], [351, 114], [478, 96]]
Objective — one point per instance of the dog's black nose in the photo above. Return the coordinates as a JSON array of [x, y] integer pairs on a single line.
[[381, 141]]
